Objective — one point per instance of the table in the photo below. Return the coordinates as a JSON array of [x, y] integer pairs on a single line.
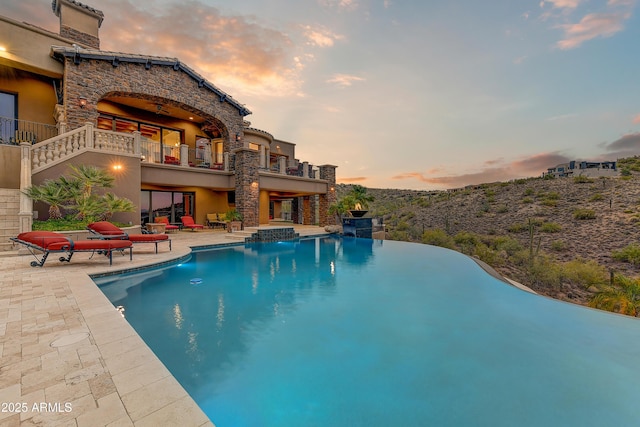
[[156, 227]]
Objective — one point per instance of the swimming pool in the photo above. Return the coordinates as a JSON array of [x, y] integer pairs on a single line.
[[357, 332]]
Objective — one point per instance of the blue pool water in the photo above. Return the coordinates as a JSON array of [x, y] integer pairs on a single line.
[[356, 332]]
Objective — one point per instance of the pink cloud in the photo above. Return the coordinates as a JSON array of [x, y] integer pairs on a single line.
[[351, 180], [591, 26], [522, 168], [636, 119]]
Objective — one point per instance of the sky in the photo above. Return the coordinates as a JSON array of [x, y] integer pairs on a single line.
[[408, 94]]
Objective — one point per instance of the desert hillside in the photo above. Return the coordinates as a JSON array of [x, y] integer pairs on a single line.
[[561, 219]]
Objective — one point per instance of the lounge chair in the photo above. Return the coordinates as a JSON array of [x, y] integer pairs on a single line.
[[187, 222], [164, 220], [216, 220], [108, 231], [49, 242]]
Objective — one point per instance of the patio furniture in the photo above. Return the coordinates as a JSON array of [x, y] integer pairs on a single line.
[[216, 220], [49, 242], [165, 220], [106, 230], [187, 222]]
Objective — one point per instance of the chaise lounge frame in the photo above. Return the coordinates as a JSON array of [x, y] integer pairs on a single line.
[[50, 243], [107, 231]]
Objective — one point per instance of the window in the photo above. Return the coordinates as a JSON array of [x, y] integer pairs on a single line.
[[172, 204], [8, 116]]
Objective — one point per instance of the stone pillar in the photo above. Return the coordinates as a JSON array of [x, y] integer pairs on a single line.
[[248, 185], [225, 158], [313, 204], [305, 169], [282, 165], [137, 146], [25, 215], [327, 173], [184, 155], [306, 211], [262, 157], [295, 210]]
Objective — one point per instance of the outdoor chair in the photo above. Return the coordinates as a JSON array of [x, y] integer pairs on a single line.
[[107, 231], [49, 242], [164, 220], [187, 222], [214, 220]]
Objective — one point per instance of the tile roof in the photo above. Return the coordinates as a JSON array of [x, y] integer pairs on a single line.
[[78, 53], [55, 5]]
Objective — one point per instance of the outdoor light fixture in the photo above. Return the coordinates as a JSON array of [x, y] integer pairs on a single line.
[[117, 167], [238, 136], [82, 102]]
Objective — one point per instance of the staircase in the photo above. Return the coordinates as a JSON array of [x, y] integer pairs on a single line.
[[9, 209]]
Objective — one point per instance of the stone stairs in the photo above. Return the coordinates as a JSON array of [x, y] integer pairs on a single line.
[[9, 222]]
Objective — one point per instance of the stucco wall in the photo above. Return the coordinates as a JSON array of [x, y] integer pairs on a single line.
[[36, 94], [10, 166]]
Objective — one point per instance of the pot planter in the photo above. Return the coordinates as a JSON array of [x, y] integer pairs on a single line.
[[357, 213], [234, 226]]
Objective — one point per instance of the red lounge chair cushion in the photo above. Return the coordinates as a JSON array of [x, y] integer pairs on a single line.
[[105, 228], [188, 222], [164, 220], [42, 239], [90, 245]]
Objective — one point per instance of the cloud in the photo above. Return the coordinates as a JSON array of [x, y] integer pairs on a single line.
[[562, 4], [562, 117], [344, 80], [320, 36], [498, 171], [339, 4], [591, 26], [237, 53], [350, 180], [636, 119], [625, 146]]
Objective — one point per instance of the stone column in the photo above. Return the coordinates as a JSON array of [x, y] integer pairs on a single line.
[[327, 173], [295, 210], [305, 169], [282, 165], [313, 204], [306, 211], [25, 215], [247, 182]]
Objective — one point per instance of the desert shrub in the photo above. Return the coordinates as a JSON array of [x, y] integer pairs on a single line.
[[552, 195], [596, 197], [545, 272], [502, 209], [527, 200], [550, 202], [581, 179], [558, 245], [585, 273], [507, 244], [466, 238], [518, 227], [550, 227], [630, 254], [529, 191], [625, 172], [438, 237], [581, 214]]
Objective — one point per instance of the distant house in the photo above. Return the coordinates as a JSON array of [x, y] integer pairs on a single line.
[[584, 168]]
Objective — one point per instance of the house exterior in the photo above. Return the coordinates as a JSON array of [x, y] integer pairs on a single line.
[[177, 144], [584, 168]]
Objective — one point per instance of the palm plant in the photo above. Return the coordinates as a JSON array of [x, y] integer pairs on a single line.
[[52, 193], [90, 177], [111, 203]]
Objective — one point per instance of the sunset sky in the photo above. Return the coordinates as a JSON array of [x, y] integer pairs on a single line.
[[415, 94]]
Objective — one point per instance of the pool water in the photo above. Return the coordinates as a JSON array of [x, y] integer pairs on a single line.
[[357, 332]]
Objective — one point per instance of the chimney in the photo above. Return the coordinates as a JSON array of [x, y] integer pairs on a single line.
[[78, 22]]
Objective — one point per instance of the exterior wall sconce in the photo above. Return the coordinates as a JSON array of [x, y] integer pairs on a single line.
[[117, 167], [82, 102], [238, 137]]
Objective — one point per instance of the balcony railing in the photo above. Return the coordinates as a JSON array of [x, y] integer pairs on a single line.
[[14, 131]]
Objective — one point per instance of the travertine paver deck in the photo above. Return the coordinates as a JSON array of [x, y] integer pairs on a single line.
[[67, 356]]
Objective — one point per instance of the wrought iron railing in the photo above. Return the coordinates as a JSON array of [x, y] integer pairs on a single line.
[[15, 131]]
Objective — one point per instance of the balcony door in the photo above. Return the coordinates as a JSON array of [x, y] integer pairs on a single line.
[[8, 116]]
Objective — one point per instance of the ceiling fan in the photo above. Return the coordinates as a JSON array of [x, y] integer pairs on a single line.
[[160, 109]]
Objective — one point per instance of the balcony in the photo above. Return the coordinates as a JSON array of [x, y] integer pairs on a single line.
[[14, 131]]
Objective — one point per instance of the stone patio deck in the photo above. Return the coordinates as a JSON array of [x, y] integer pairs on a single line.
[[68, 358]]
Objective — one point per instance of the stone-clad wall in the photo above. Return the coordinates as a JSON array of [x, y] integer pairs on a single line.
[[247, 186], [328, 173], [95, 79], [83, 38]]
